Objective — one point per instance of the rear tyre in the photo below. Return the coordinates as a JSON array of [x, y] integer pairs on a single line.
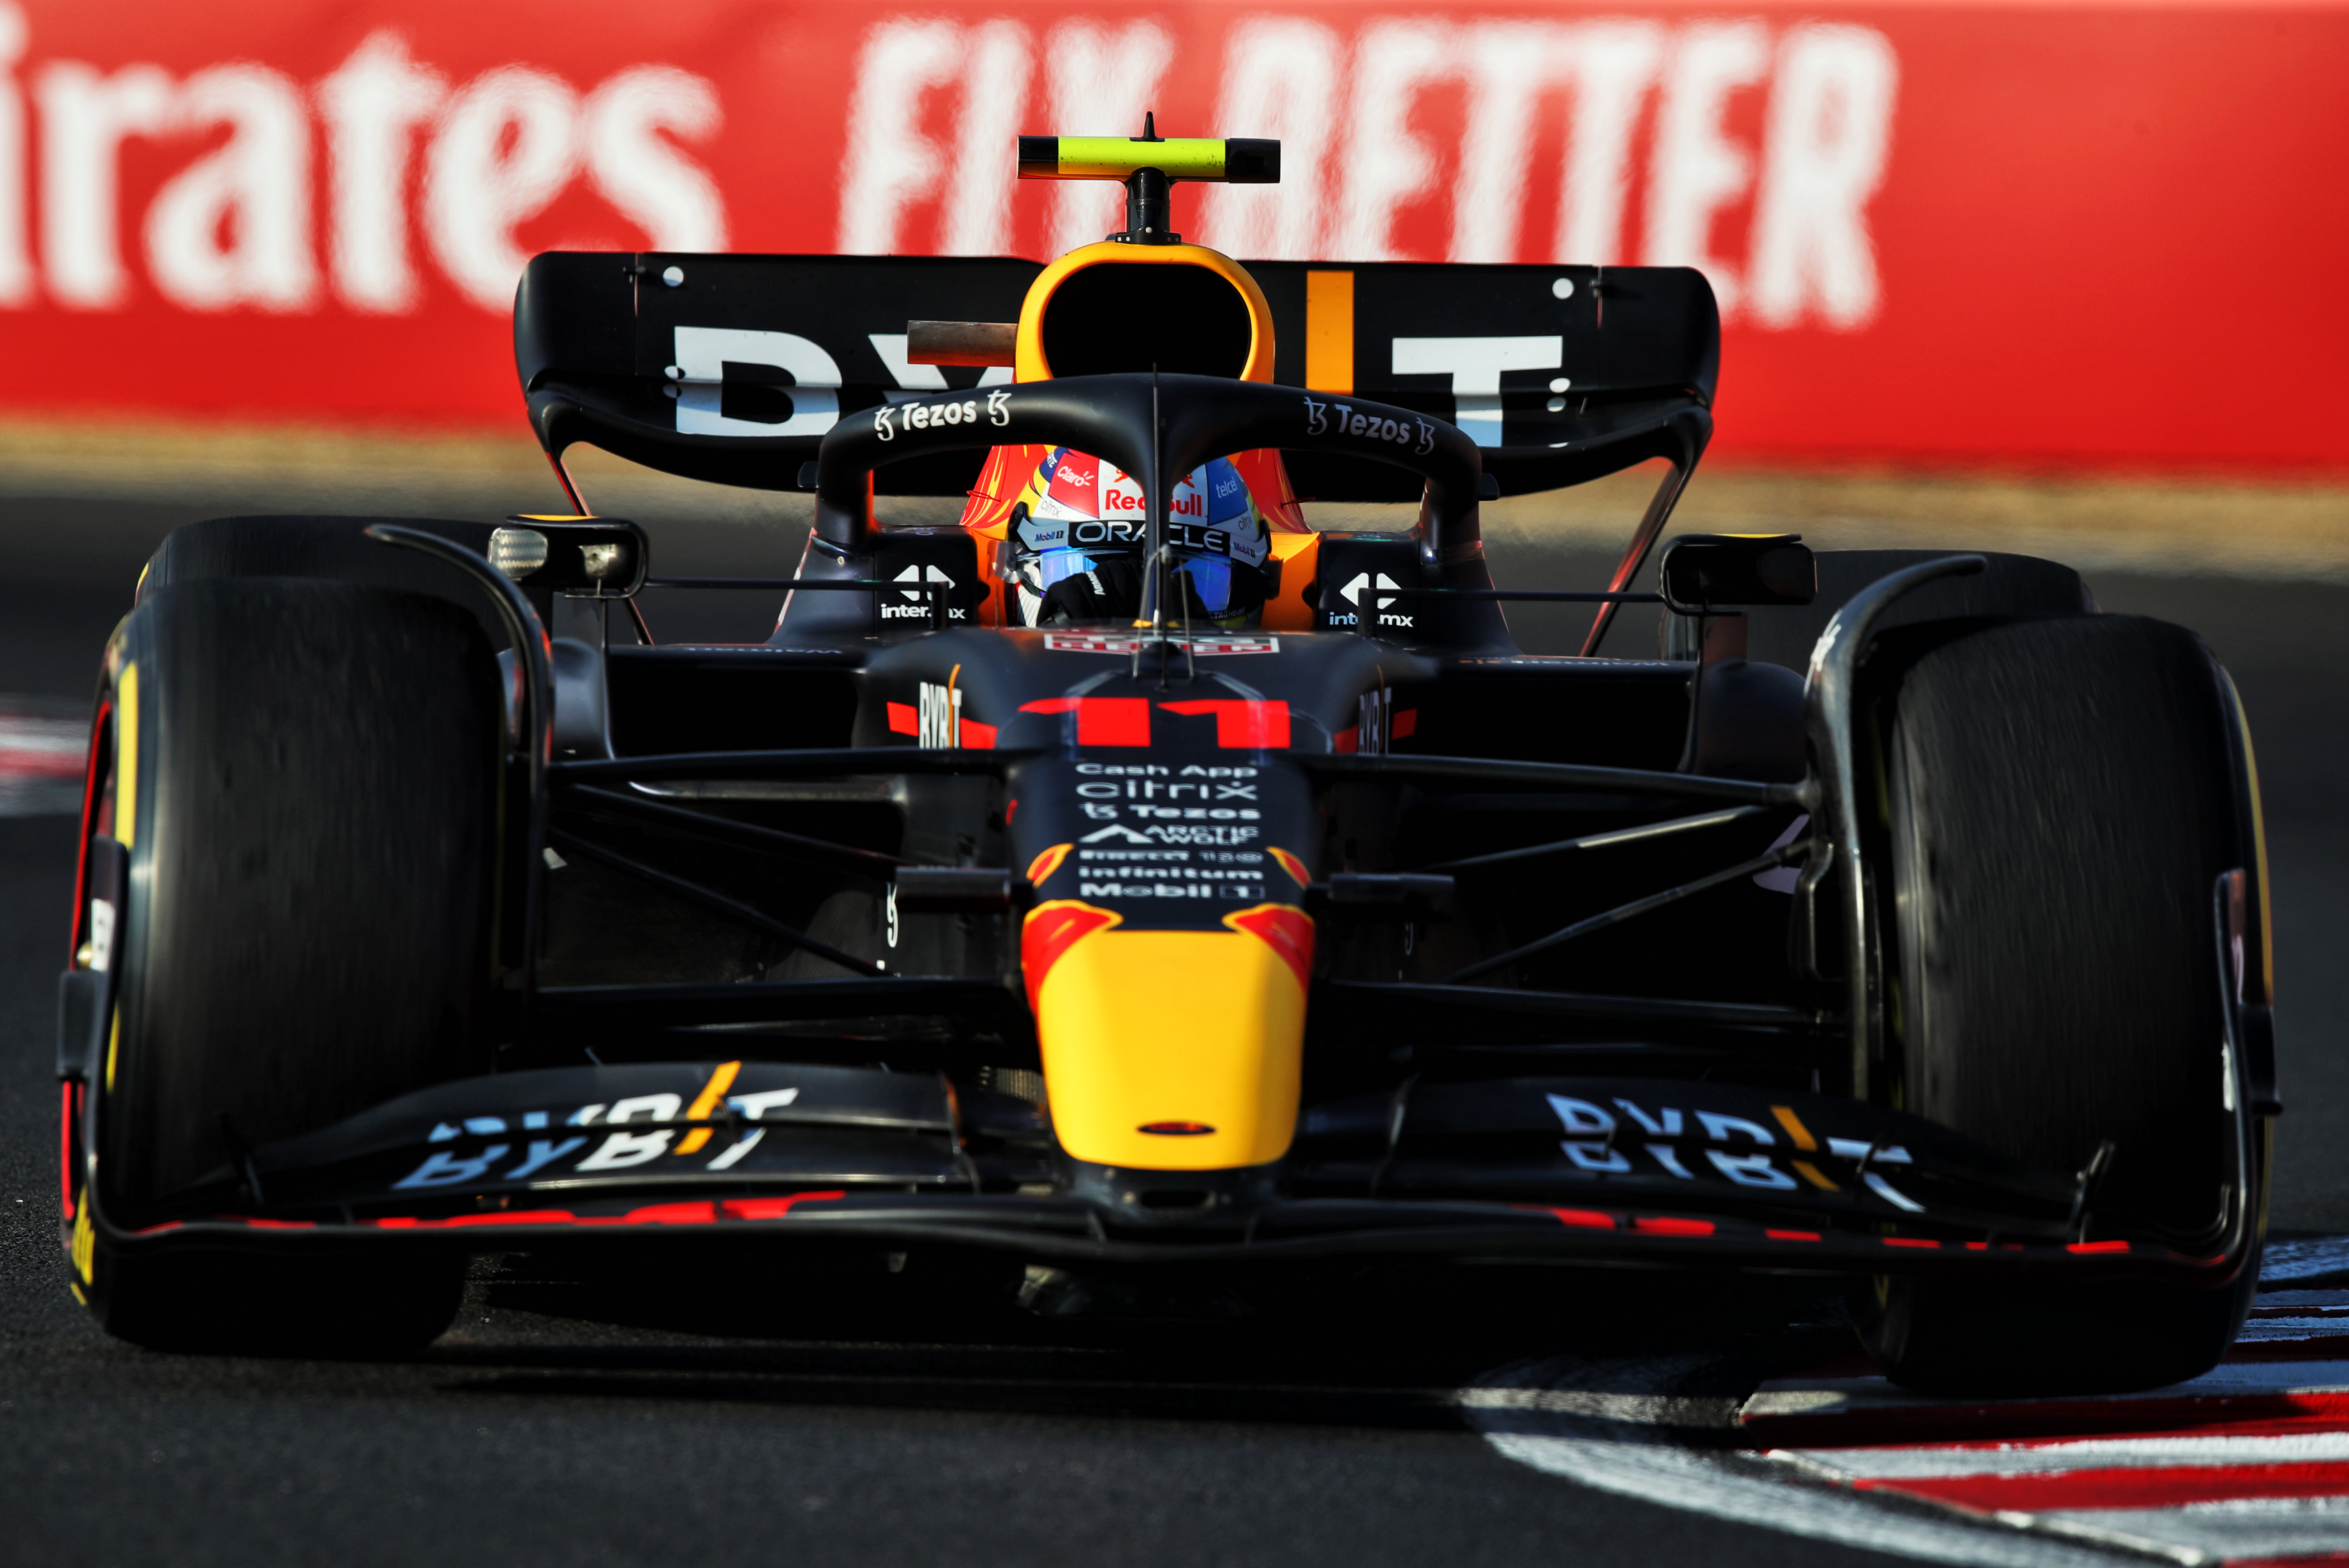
[[306, 774], [2061, 797]]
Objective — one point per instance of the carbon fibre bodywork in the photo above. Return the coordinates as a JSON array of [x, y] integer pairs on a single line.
[[1364, 933]]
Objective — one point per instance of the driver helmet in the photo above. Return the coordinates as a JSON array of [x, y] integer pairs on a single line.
[[1078, 536]]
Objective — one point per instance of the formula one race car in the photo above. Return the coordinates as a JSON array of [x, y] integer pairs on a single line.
[[1132, 879]]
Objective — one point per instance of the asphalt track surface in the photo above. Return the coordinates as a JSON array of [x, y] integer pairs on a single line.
[[675, 1408]]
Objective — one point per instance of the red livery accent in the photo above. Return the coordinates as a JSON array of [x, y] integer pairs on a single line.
[[1241, 724], [1792, 1235], [2098, 1246], [1051, 929], [64, 1148], [1404, 725], [1101, 721], [1045, 863], [466, 1221], [1578, 1219], [903, 720], [664, 1214], [1671, 1225], [774, 1208], [90, 823], [976, 736], [702, 1213], [1289, 930], [1912, 1242]]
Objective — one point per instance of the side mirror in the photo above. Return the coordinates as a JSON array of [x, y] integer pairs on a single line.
[[604, 557], [1707, 572]]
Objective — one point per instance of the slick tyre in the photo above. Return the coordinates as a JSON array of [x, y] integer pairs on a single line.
[[2060, 797], [305, 775]]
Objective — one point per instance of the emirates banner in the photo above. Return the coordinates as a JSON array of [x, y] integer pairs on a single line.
[[2099, 237]]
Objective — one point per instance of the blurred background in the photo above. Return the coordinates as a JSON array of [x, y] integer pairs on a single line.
[[2062, 279]]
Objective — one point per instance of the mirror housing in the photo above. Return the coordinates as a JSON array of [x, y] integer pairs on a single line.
[[602, 557], [1702, 572]]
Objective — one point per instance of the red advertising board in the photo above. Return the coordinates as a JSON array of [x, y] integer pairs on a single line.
[[2101, 236]]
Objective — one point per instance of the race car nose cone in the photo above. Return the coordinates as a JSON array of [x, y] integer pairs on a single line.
[[1226, 1045]]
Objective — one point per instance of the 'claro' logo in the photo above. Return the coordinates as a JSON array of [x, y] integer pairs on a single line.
[[1318, 417], [927, 416]]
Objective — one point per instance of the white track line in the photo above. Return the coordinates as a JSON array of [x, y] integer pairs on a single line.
[[1547, 1415], [1622, 1426], [2215, 1532], [1860, 1395]]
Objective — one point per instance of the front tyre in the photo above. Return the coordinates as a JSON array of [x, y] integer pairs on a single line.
[[305, 775], [2060, 796]]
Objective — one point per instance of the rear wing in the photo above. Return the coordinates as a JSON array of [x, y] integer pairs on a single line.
[[731, 369]]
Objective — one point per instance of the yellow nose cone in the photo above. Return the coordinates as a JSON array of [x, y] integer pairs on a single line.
[[1171, 1050]]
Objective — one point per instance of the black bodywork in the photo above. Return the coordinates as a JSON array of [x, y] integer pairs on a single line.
[[1590, 978]]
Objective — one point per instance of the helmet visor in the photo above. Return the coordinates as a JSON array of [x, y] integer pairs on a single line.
[[1211, 580], [1211, 575], [1048, 566]]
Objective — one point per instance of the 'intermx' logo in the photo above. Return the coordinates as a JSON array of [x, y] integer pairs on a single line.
[[913, 604], [1353, 592]]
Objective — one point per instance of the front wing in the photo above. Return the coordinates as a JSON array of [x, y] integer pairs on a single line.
[[1600, 1170]]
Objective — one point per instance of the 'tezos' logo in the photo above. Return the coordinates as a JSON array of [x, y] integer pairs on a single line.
[[1352, 593], [927, 416], [1416, 433], [1401, 432]]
